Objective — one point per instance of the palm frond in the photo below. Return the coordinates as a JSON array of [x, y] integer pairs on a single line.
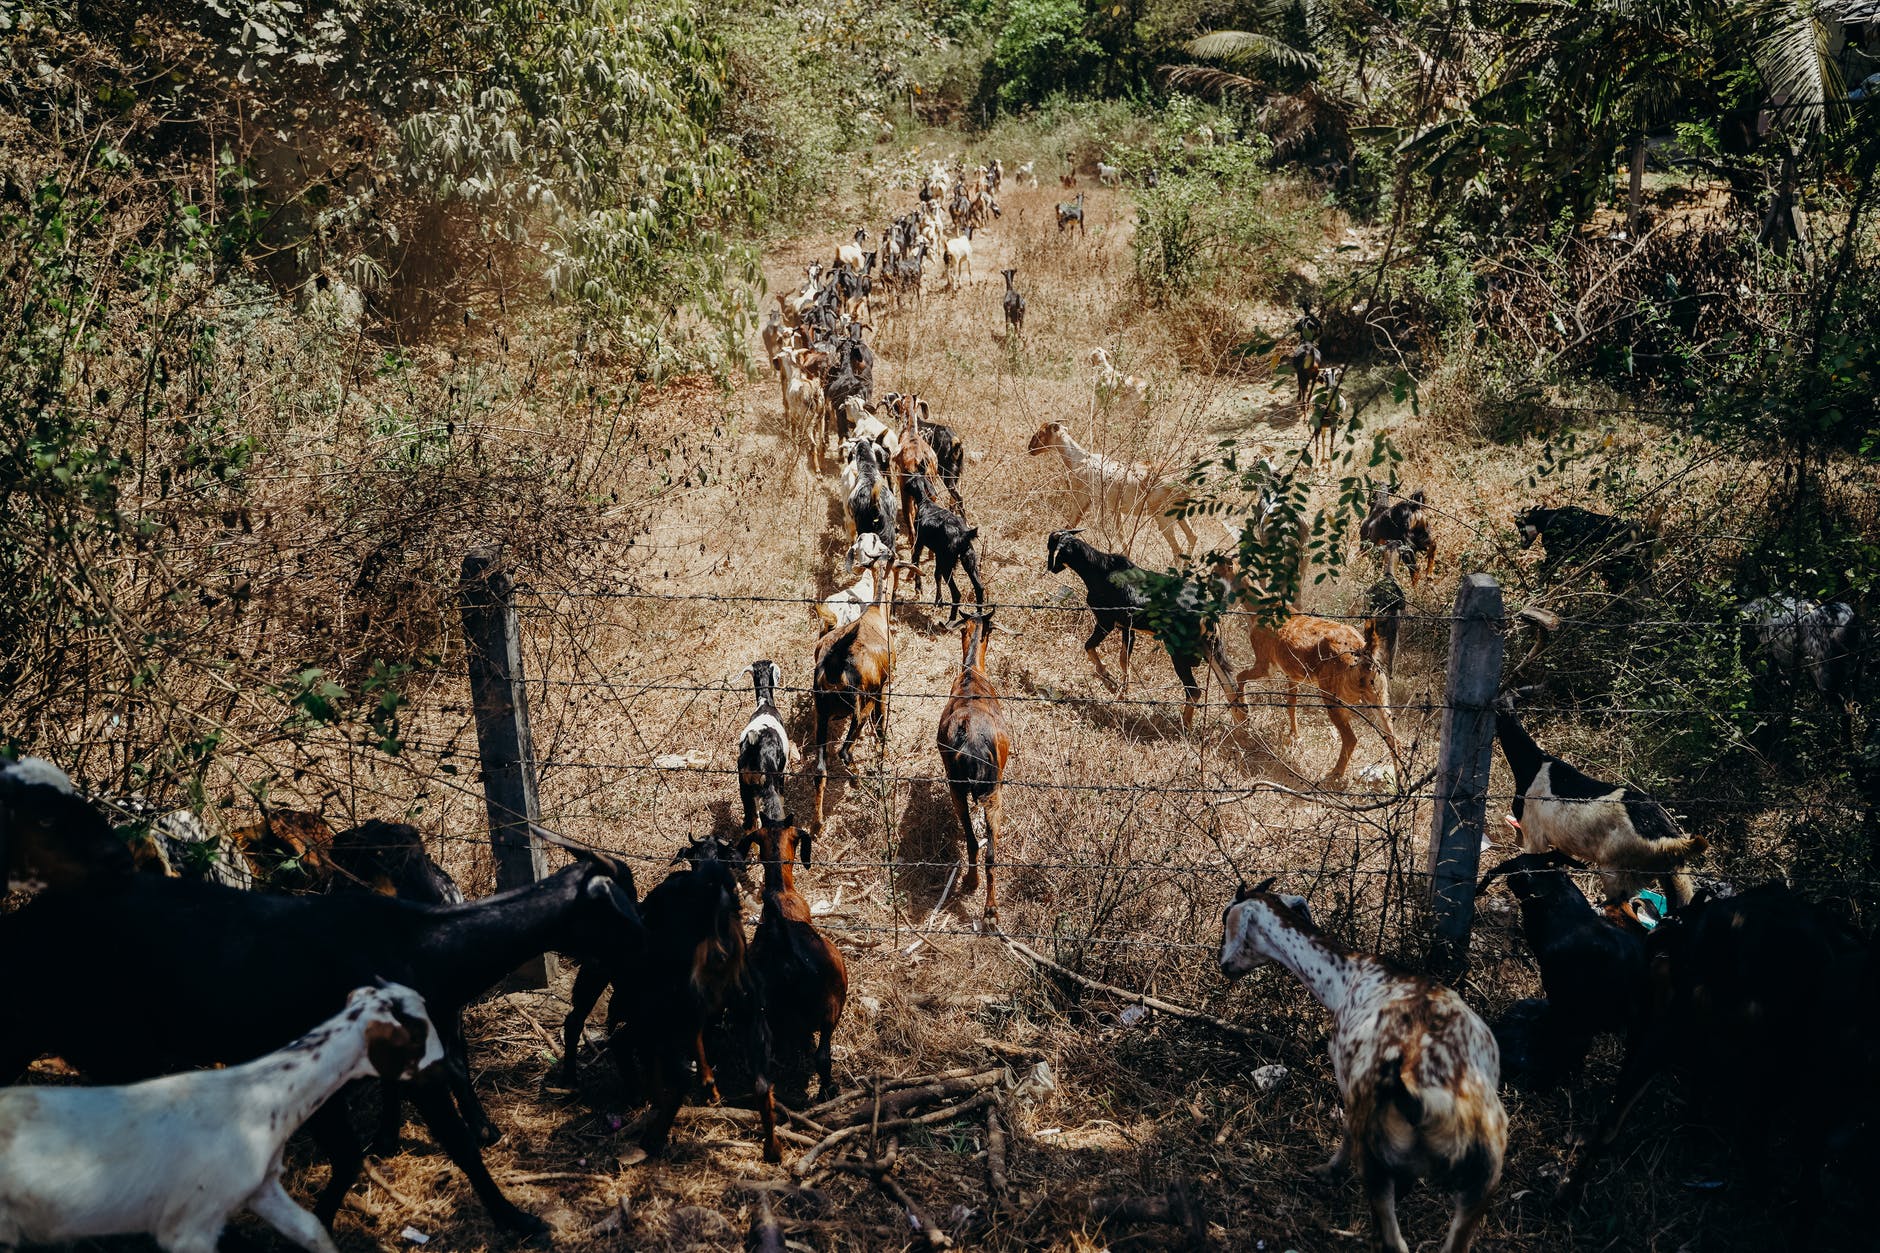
[[1207, 80], [1791, 43], [1244, 47]]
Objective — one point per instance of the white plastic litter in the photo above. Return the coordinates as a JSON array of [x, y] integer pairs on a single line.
[[415, 1236], [1266, 1078]]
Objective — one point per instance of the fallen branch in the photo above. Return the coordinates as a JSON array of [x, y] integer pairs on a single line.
[[1135, 998], [807, 1162], [896, 1104], [936, 1238], [888, 1085], [700, 1113], [378, 1176], [995, 1154], [1175, 1206]]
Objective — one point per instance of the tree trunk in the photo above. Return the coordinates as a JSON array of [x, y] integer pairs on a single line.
[[1636, 192]]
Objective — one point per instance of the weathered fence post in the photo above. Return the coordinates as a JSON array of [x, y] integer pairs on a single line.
[[493, 648], [1475, 646]]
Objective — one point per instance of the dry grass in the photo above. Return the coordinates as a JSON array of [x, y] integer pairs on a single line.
[[1126, 884]]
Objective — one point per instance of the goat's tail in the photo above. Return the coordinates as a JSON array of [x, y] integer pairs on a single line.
[[1395, 1091]]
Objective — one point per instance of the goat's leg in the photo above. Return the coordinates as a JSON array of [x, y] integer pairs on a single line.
[[970, 563], [1470, 1207], [1191, 692], [1129, 647], [271, 1204], [457, 1068], [1645, 1053], [748, 795], [1217, 662], [706, 1078], [1380, 1189], [434, 1103], [668, 1083], [331, 1129], [822, 771], [1347, 738], [1090, 650], [962, 809], [589, 982], [391, 1117], [994, 809], [953, 587], [1341, 1157]]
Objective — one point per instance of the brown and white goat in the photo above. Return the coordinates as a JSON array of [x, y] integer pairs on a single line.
[[854, 665], [871, 556], [974, 746], [1118, 489], [805, 981], [805, 407], [1348, 666], [1417, 1069], [1400, 529], [913, 456]]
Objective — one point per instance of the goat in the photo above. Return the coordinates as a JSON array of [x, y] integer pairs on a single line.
[[1750, 996], [1014, 304], [1571, 534], [1118, 489], [805, 407], [845, 606], [974, 746], [50, 836], [870, 498], [696, 969], [1112, 385], [1109, 175], [1592, 966], [175, 1157], [1626, 834], [914, 456], [854, 665], [1400, 529], [949, 450], [1804, 637], [959, 258], [389, 858], [764, 748], [1384, 606], [1326, 410], [1027, 172], [1346, 664], [1068, 180], [850, 255], [1072, 213], [855, 421], [804, 979], [264, 968], [995, 175], [947, 536], [773, 334], [1417, 1069], [1117, 592]]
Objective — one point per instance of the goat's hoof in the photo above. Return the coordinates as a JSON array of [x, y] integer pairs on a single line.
[[522, 1225], [712, 1095], [1329, 1172], [487, 1134], [772, 1153]]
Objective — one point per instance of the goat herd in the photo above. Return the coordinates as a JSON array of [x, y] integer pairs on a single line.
[[145, 980]]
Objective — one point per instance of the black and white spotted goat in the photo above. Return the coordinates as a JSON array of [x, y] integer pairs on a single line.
[[764, 749]]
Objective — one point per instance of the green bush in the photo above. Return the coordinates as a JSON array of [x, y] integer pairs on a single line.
[[1043, 47]]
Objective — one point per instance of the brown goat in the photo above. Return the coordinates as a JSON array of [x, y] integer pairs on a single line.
[[854, 665], [974, 746], [804, 978], [1344, 663], [914, 456], [1400, 529]]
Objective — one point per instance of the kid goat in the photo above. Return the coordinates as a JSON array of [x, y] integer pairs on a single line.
[[175, 1157], [1417, 1069], [974, 746]]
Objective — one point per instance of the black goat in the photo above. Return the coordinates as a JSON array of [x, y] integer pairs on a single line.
[[389, 858], [946, 534], [50, 836], [1116, 589], [254, 970], [1014, 304], [1592, 965], [1384, 606], [1616, 548], [1628, 836], [695, 970], [805, 982], [1756, 999], [764, 749]]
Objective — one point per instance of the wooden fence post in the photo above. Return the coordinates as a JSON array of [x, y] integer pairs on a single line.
[[493, 649], [1475, 648]]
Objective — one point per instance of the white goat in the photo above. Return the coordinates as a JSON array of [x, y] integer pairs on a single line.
[[174, 1157], [1117, 488], [867, 553], [805, 407], [1113, 385], [1417, 1069], [959, 258], [851, 254], [1109, 175]]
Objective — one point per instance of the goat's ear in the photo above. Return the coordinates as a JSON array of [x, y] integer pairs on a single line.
[[1299, 906], [392, 1050], [1266, 884]]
